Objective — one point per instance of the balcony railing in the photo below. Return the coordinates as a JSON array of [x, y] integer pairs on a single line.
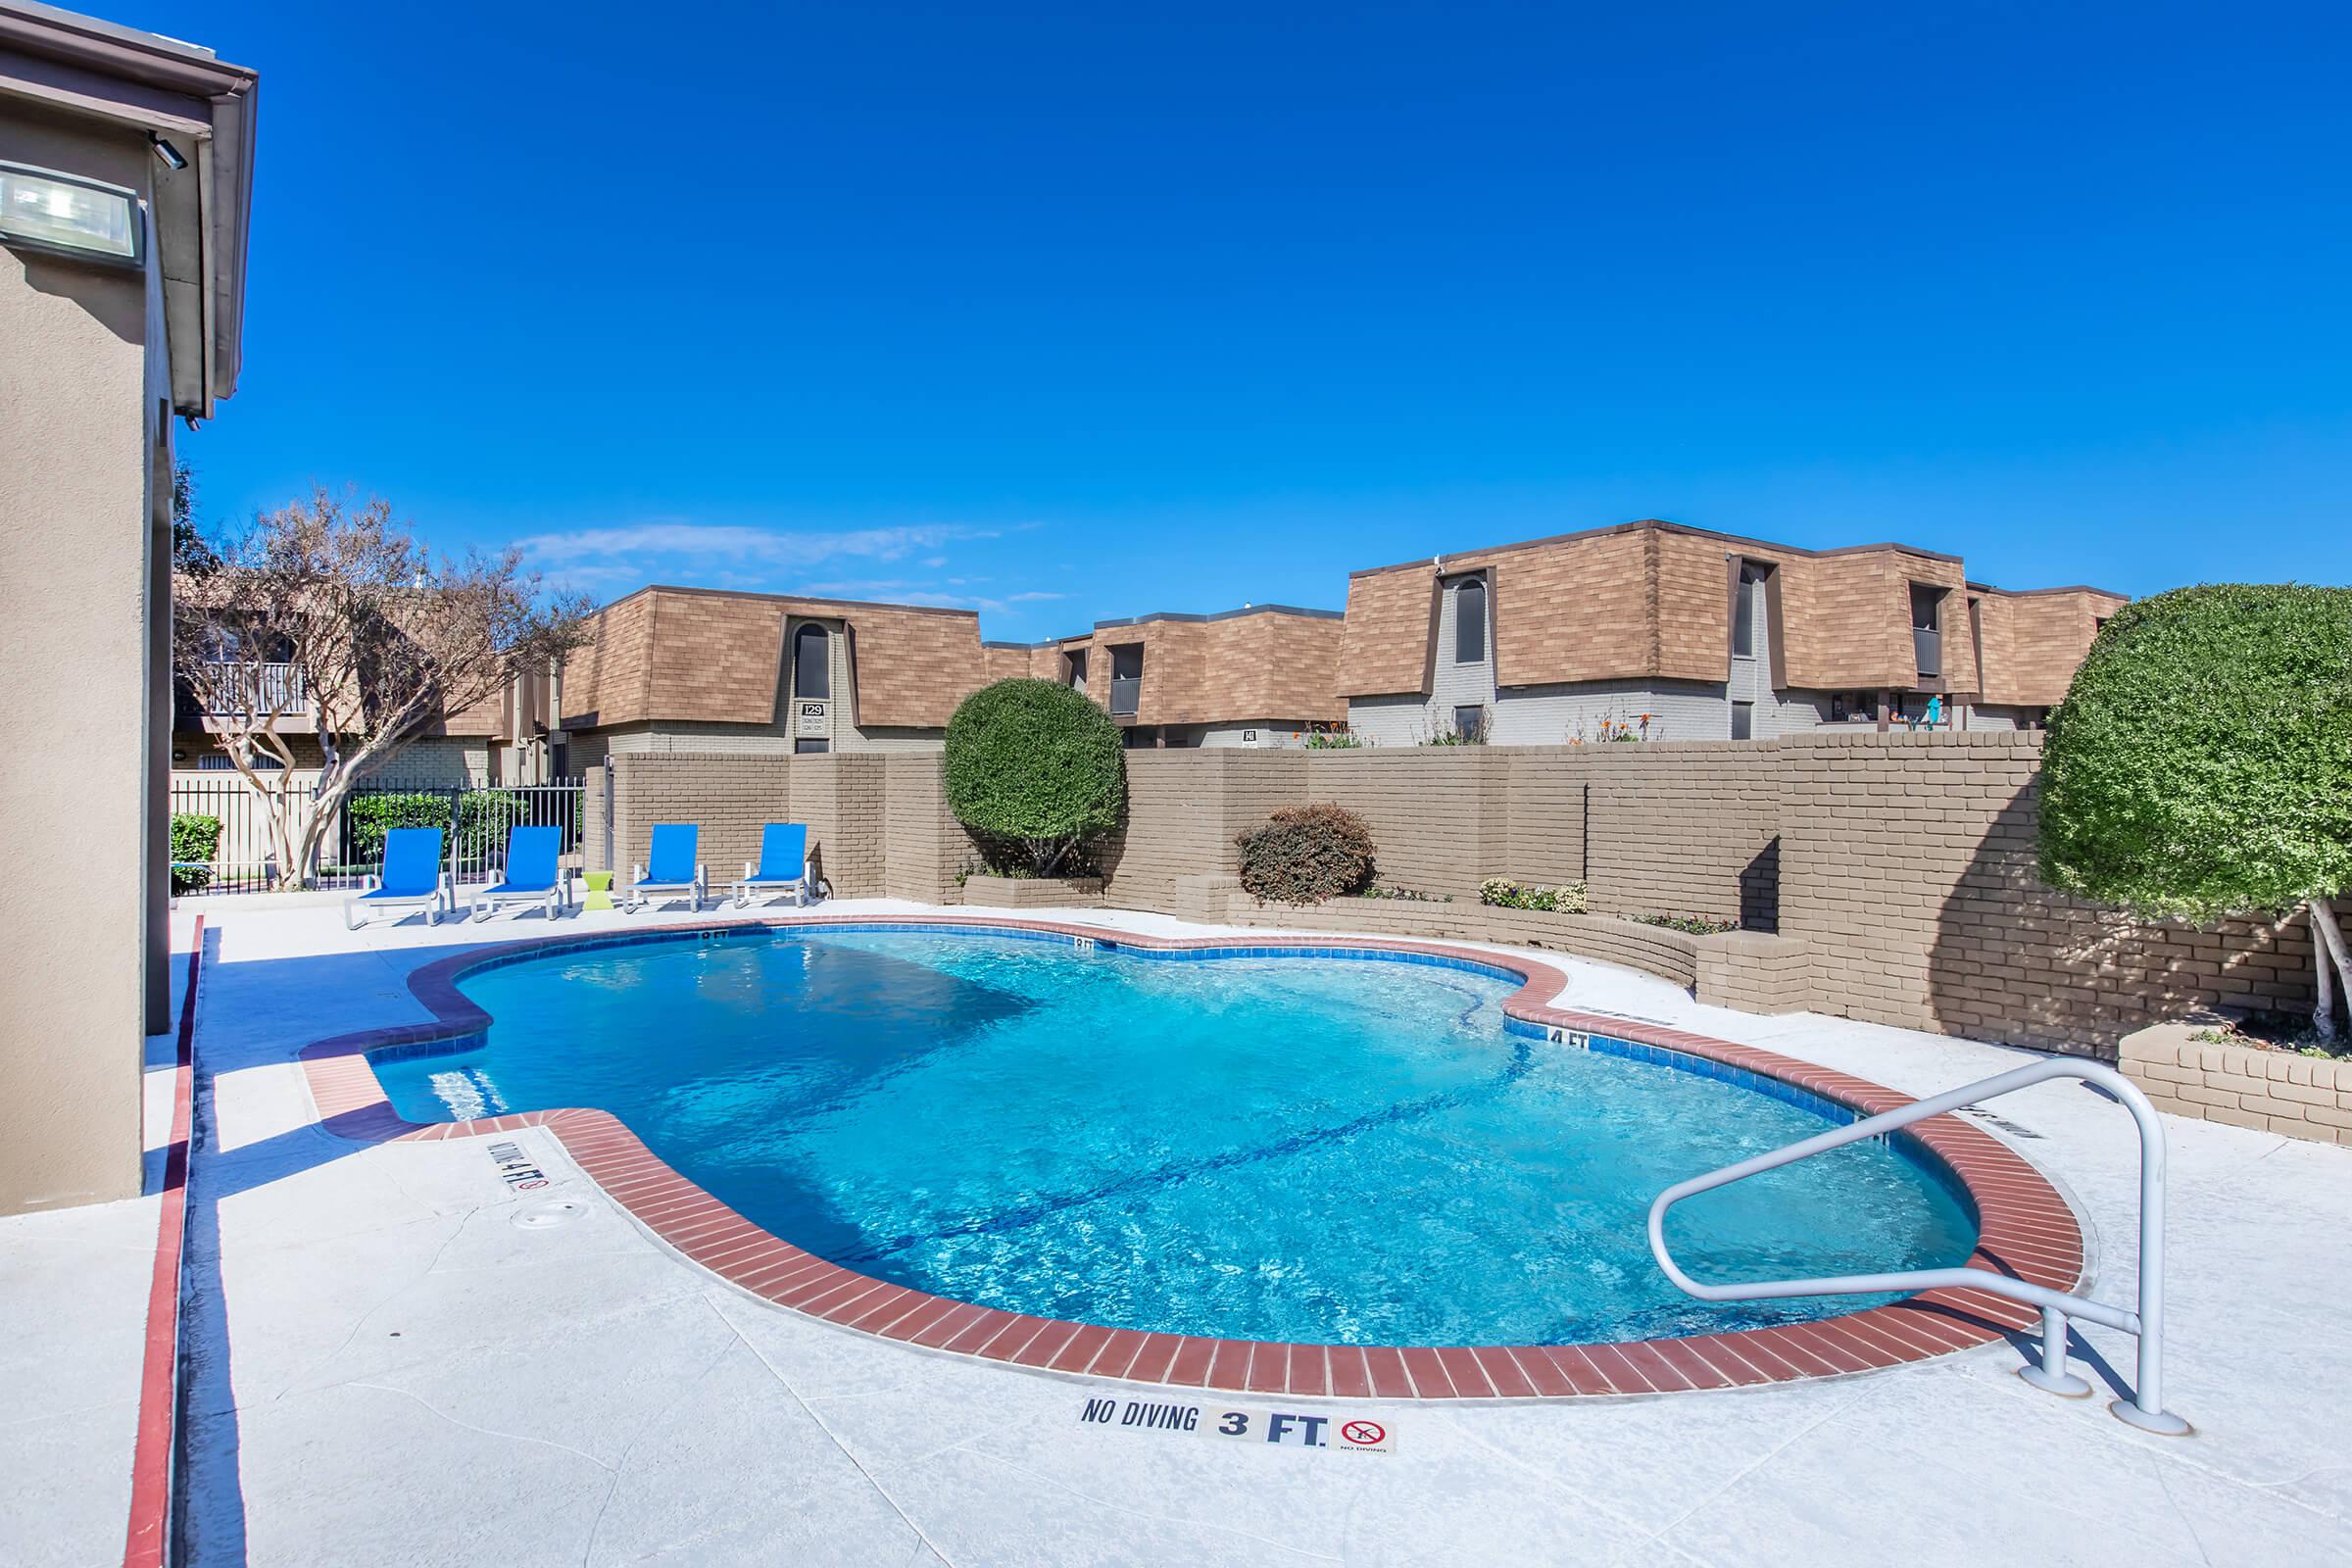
[[1927, 644], [242, 688], [1124, 690]]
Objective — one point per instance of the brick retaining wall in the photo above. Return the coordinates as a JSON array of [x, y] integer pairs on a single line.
[[1907, 866], [1748, 971], [1901, 865]]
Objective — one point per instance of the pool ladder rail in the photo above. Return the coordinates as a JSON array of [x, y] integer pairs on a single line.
[[2144, 1410]]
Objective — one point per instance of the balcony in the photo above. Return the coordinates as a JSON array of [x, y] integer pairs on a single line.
[[240, 688], [1124, 690], [1927, 645]]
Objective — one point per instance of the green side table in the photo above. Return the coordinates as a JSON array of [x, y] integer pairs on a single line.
[[600, 890]]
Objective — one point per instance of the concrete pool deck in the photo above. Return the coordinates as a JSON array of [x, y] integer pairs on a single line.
[[394, 1355]]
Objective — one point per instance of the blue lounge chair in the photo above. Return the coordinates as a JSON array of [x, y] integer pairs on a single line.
[[531, 875], [670, 869], [412, 875], [783, 867]]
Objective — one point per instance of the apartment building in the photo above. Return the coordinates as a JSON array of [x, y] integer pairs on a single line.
[[1678, 633], [1264, 676], [696, 669], [499, 742]]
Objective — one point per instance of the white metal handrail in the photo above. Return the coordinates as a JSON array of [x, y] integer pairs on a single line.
[[2145, 1408]]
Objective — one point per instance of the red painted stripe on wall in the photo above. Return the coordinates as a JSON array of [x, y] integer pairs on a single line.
[[150, 1530]]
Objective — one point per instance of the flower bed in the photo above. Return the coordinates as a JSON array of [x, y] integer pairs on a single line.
[[2282, 1091]]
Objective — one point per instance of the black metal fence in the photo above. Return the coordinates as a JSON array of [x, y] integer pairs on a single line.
[[473, 823], [241, 857]]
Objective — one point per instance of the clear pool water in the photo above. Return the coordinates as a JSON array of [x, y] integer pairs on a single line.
[[1286, 1149]]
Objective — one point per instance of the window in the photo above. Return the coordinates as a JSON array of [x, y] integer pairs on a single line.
[[811, 662], [1470, 722], [809, 745], [1126, 679], [1077, 663], [1470, 623], [1927, 605], [1743, 721], [1927, 621], [1744, 610]]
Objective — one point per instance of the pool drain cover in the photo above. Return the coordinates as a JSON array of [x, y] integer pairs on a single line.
[[555, 1212]]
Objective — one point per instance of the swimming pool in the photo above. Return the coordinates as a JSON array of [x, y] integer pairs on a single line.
[[1307, 1149]]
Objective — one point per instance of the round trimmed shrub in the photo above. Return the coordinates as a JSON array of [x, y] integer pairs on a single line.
[[1034, 771], [2201, 764], [1306, 854]]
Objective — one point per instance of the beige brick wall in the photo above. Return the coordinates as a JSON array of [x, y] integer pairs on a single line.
[[1907, 865], [1032, 892], [923, 845], [595, 818], [730, 798], [1682, 829], [1439, 816], [1901, 866]]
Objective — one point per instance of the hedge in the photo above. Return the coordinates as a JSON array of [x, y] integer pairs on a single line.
[[195, 837], [1306, 854], [1034, 771], [366, 818], [2201, 764], [482, 819]]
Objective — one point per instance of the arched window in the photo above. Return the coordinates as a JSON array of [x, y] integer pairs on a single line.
[[1470, 623], [811, 662]]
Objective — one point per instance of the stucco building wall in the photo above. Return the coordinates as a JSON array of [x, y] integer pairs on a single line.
[[84, 513]]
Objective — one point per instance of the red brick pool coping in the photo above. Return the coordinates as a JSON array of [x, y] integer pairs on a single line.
[[2027, 1229]]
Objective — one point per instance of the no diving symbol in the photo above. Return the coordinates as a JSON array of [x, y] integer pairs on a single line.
[[1370, 1433]]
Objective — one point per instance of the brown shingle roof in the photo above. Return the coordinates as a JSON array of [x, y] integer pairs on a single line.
[[1648, 599], [2034, 642], [695, 654]]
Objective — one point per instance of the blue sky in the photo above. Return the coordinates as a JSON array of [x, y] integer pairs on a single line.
[[1077, 312]]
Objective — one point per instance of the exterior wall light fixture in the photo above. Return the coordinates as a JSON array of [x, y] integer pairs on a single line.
[[48, 211]]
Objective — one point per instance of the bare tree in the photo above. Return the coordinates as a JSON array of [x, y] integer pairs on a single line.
[[339, 615]]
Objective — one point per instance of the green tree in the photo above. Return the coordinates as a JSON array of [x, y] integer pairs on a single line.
[[340, 616], [2201, 764], [192, 554], [1034, 771]]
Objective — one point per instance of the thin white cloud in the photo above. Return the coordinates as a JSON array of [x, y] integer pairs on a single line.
[[596, 577], [775, 546], [902, 591], [735, 556]]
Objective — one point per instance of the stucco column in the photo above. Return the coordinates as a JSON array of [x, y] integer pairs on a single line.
[[82, 380]]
